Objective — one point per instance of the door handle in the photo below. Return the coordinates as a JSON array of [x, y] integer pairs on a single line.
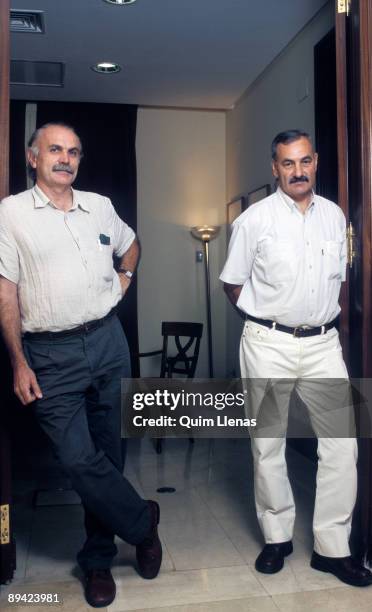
[[350, 236]]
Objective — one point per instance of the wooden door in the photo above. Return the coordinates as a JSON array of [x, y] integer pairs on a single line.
[[354, 120], [7, 547]]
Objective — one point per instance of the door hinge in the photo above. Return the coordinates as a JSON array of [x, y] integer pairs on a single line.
[[351, 253], [343, 6], [4, 524]]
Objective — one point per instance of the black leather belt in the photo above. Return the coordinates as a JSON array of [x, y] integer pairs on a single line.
[[297, 332], [75, 331]]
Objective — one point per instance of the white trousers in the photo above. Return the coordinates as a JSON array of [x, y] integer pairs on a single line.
[[271, 354]]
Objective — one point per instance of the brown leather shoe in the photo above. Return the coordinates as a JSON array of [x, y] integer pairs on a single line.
[[100, 589], [149, 551]]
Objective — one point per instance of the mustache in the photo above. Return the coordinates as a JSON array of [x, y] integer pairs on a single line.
[[299, 179], [63, 167]]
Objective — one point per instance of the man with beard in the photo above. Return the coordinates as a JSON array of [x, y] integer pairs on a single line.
[[58, 293], [284, 269]]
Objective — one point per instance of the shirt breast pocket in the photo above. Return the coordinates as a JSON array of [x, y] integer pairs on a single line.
[[102, 254], [331, 251], [278, 261]]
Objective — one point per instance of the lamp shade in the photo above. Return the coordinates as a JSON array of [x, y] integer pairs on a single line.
[[206, 233]]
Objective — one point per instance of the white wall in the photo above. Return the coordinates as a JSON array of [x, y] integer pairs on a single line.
[[273, 104], [281, 98], [181, 166]]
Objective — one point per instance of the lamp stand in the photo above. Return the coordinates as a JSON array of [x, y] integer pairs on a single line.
[[206, 233], [209, 317]]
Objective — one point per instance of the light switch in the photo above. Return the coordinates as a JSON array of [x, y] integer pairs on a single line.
[[303, 89]]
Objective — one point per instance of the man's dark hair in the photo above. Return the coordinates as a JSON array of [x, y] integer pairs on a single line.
[[35, 135], [286, 138]]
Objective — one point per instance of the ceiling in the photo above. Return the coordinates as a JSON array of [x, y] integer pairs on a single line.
[[174, 53]]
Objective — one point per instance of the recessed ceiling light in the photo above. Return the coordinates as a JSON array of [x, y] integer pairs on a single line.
[[122, 2], [106, 67]]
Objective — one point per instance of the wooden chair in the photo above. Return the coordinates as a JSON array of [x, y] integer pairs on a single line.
[[180, 353]]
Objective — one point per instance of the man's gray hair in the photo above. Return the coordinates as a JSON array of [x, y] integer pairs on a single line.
[[287, 137], [32, 143]]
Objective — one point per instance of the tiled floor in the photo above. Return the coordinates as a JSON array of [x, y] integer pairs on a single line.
[[209, 533]]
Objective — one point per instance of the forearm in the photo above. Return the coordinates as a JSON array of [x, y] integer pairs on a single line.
[[130, 258], [128, 263], [10, 321], [26, 386], [233, 292]]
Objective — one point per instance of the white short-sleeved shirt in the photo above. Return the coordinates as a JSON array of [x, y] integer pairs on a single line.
[[290, 265], [62, 261]]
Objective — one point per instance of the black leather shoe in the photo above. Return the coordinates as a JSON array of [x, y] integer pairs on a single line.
[[149, 551], [100, 589], [346, 569], [271, 558]]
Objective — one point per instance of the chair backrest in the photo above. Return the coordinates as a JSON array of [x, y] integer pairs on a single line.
[[186, 344]]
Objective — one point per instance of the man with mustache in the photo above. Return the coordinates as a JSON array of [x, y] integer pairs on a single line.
[[285, 264], [58, 292]]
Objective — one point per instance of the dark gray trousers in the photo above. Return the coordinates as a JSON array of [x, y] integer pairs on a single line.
[[80, 378]]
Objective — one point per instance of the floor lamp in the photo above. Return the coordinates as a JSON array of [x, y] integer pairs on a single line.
[[206, 233]]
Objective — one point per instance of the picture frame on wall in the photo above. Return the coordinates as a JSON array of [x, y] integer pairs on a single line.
[[234, 209], [258, 194]]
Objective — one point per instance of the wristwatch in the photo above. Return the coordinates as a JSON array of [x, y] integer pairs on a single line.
[[126, 273]]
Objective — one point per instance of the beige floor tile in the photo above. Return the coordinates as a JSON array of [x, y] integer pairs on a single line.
[[70, 593], [170, 476], [190, 468], [251, 604], [181, 506], [344, 599], [309, 579], [199, 543], [182, 588], [231, 497], [244, 534], [282, 582]]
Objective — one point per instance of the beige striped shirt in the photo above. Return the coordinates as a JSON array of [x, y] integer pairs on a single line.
[[62, 261]]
